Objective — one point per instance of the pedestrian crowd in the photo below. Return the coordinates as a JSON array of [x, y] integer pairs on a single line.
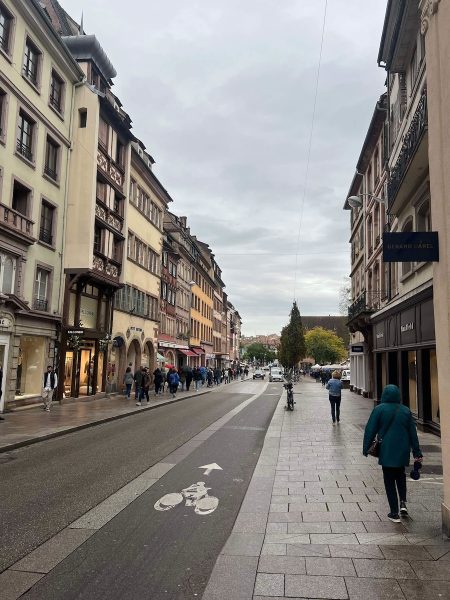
[[175, 380]]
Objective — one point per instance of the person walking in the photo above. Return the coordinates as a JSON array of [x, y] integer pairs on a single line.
[[334, 387], [174, 381], [189, 376], [138, 385], [225, 376], [182, 376], [145, 385], [158, 379], [217, 376], [128, 380], [50, 383], [197, 378], [394, 425]]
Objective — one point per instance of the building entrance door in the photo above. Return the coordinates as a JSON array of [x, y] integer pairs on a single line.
[[4, 347]]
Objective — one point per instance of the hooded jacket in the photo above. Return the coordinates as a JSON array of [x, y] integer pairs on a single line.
[[399, 437]]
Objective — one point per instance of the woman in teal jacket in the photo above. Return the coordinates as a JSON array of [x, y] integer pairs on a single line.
[[395, 426]]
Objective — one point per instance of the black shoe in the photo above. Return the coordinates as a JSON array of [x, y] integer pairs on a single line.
[[394, 518], [403, 509]]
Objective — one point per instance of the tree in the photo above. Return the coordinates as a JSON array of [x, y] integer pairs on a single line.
[[345, 297], [325, 346], [292, 342], [259, 352]]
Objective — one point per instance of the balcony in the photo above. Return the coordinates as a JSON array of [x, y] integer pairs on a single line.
[[16, 224], [24, 150], [409, 157], [39, 304], [108, 167], [46, 236], [108, 217], [105, 266], [360, 311]]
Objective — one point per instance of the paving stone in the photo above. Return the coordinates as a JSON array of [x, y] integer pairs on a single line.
[[273, 550], [250, 523], [313, 517], [311, 527], [308, 507], [384, 527], [244, 544], [355, 551], [330, 566], [15, 583], [373, 589], [287, 538], [277, 528], [333, 538], [425, 590], [309, 550], [383, 569], [432, 570], [269, 584], [285, 517], [386, 539], [293, 565], [359, 515], [406, 552], [352, 527], [439, 552], [232, 577], [310, 586]]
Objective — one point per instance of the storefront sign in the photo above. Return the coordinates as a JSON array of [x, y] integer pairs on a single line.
[[75, 332], [136, 329], [406, 327], [407, 246], [88, 311], [358, 349]]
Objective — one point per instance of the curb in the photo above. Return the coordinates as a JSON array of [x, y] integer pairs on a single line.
[[55, 434]]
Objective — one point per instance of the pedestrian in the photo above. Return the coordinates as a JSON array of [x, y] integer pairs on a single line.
[[128, 380], [394, 425], [324, 377], [137, 386], [164, 380], [145, 385], [50, 383], [210, 377], [334, 387], [225, 376], [182, 376], [230, 374], [197, 378], [204, 373], [217, 376], [188, 372], [158, 379], [174, 381], [245, 372]]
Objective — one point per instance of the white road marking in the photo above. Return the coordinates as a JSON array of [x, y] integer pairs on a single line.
[[196, 495], [210, 468]]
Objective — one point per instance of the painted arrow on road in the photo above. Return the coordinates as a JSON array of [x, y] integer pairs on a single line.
[[210, 468]]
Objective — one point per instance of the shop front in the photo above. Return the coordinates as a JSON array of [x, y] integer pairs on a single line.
[[405, 355]]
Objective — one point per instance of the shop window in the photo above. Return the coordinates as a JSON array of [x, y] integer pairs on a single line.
[[52, 150], [21, 198], [412, 381], [41, 289], [6, 20], [47, 223], [7, 273], [32, 364], [31, 62]]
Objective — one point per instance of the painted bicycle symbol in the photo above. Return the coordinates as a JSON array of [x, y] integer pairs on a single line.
[[195, 495]]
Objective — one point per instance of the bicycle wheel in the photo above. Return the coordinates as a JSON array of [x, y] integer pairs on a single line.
[[168, 501], [206, 505]]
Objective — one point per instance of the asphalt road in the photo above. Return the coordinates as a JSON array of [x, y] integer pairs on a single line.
[[146, 554], [46, 486]]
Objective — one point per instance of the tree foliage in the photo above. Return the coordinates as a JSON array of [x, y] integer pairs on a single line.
[[325, 346], [259, 352], [345, 296], [292, 342]]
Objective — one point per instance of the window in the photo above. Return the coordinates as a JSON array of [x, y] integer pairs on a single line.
[[41, 289], [120, 153], [47, 222], [117, 250], [414, 69], [118, 204], [5, 29], [7, 273], [97, 239], [25, 136], [21, 198], [424, 217], [82, 117], [101, 191], [56, 91], [103, 133], [31, 62], [2, 114], [51, 159]]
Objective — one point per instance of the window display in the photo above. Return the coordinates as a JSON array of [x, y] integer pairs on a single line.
[[34, 359]]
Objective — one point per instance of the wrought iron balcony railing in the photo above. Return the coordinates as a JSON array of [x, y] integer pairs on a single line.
[[24, 150], [40, 304], [411, 142], [367, 302]]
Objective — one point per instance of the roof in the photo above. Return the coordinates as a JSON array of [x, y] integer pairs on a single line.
[[334, 323], [401, 24]]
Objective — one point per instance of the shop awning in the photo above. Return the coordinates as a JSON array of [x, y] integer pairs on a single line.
[[187, 352], [160, 356], [198, 351]]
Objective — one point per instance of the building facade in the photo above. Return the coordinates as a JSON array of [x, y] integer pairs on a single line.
[[37, 84], [137, 305]]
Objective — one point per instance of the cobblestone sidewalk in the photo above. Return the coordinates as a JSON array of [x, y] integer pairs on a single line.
[[314, 521]]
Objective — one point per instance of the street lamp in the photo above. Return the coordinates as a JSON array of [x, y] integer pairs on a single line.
[[357, 201]]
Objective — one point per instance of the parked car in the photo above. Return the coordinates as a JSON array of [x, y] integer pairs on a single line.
[[276, 374], [259, 374], [345, 378]]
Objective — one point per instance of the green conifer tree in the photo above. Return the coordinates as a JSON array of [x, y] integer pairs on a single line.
[[292, 343]]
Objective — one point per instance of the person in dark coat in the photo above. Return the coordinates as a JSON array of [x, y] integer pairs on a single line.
[[158, 379], [197, 378], [395, 426], [188, 372]]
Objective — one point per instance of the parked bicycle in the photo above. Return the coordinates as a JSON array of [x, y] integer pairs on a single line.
[[290, 396]]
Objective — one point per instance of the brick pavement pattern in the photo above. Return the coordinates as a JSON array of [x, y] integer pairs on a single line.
[[314, 520]]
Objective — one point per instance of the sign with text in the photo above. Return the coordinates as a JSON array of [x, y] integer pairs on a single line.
[[408, 246]]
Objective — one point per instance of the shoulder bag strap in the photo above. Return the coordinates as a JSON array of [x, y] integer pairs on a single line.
[[391, 421]]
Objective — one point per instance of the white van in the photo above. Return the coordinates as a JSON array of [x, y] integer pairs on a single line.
[[276, 374]]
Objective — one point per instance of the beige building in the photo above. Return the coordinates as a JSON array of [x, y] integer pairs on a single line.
[[435, 26], [136, 305], [38, 77]]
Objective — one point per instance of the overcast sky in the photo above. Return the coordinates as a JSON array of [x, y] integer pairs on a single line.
[[221, 92]]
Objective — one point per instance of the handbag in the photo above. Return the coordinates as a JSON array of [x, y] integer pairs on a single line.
[[375, 446]]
